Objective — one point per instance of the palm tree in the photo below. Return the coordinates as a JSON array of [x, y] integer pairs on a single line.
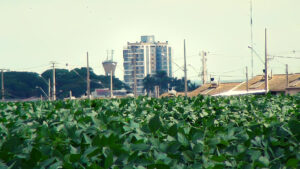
[[162, 80], [192, 86], [149, 83]]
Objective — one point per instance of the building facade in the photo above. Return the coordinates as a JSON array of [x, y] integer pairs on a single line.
[[145, 58]]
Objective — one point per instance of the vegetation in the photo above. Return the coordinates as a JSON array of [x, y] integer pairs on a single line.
[[177, 133], [75, 80], [162, 80], [20, 85]]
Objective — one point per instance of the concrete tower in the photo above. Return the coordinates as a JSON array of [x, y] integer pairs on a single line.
[[109, 65]]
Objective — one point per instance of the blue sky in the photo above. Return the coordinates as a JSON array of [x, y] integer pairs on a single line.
[[33, 33]]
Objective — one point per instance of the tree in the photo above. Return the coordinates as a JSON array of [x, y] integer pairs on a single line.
[[149, 83], [162, 80], [192, 86], [75, 80], [23, 85], [20, 85]]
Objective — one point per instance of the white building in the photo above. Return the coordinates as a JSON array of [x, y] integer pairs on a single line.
[[144, 58]]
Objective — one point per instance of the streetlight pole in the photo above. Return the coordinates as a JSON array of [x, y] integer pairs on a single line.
[[111, 84], [185, 72], [247, 83], [88, 77], [49, 90], [49, 86], [38, 87], [54, 89]]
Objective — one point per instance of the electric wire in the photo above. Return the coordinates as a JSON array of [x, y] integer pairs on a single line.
[[287, 57]]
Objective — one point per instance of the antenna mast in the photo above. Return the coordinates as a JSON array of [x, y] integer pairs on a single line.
[[204, 67], [106, 54], [251, 25], [112, 55]]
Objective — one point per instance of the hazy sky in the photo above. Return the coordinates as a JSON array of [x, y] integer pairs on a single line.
[[35, 32]]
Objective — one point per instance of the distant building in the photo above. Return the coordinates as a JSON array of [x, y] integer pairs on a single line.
[[278, 84], [106, 93], [148, 56]]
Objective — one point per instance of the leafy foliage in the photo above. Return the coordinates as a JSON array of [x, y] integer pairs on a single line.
[[162, 80], [75, 80], [20, 85], [177, 133]]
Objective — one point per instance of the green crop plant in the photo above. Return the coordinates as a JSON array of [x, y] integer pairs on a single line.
[[175, 133]]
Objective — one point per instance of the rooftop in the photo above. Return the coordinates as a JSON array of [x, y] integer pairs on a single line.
[[277, 83]]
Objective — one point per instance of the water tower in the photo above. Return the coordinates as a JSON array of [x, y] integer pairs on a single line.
[[109, 65]]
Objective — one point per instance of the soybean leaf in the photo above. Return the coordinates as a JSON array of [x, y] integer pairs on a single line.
[[154, 123]]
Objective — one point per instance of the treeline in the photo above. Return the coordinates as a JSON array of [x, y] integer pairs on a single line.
[[164, 82], [20, 85]]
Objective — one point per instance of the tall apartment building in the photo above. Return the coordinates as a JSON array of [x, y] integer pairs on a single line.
[[144, 58]]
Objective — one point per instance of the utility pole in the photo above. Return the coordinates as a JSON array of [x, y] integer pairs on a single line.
[[53, 76], [111, 83], [204, 68], [111, 76], [185, 71], [247, 84], [70, 95], [271, 73], [251, 24], [287, 76], [266, 64], [2, 84], [88, 77], [49, 90], [156, 90]]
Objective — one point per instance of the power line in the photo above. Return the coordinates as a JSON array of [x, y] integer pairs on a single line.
[[289, 52], [279, 61], [180, 67], [190, 65], [176, 70], [222, 75], [26, 68], [251, 48], [234, 70]]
